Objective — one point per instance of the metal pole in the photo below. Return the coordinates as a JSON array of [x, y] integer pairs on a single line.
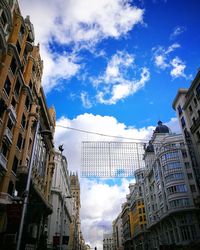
[[62, 217], [27, 188], [62, 197]]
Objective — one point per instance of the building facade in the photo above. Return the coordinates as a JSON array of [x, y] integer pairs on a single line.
[[170, 191], [108, 241], [187, 106], [117, 233], [26, 133], [62, 202], [138, 214], [75, 230], [126, 223]]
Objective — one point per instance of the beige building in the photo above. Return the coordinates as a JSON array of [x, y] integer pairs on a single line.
[[187, 106], [137, 211], [108, 241], [76, 239], [26, 132], [170, 190], [126, 223], [117, 233]]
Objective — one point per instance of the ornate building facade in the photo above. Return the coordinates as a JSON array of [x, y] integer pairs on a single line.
[[60, 220], [26, 133], [170, 191]]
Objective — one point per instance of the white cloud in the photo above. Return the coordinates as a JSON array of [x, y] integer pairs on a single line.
[[58, 67], [177, 31], [85, 100], [95, 216], [160, 61], [118, 81], [82, 20], [163, 60], [161, 55], [178, 68], [80, 23]]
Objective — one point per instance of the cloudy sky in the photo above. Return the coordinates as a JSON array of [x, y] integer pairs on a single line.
[[112, 67]]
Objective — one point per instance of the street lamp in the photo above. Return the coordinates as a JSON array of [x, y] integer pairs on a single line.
[[26, 192], [61, 149], [62, 218]]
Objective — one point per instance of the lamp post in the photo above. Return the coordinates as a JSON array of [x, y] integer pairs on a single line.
[[62, 218], [25, 203], [27, 190], [61, 149]]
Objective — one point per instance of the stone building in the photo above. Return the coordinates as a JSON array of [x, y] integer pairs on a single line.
[[26, 133], [187, 106], [125, 215], [108, 241], [138, 214], [60, 220], [75, 230], [170, 191], [117, 228]]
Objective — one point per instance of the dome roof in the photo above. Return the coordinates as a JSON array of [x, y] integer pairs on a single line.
[[161, 128]]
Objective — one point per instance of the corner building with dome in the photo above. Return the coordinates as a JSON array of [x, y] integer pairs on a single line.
[[170, 193]]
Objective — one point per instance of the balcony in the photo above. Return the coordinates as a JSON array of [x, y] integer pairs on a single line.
[[195, 125], [12, 112], [8, 135], [29, 46], [3, 163]]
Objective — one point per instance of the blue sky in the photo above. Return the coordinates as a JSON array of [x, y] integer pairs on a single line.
[[113, 67], [165, 23]]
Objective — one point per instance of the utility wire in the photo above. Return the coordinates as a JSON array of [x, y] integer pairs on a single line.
[[95, 133]]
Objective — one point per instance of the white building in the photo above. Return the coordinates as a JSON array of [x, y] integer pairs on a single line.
[[170, 191], [117, 233], [108, 241], [62, 202], [187, 106]]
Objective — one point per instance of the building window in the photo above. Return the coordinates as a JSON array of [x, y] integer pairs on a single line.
[[18, 47], [179, 110], [13, 65], [2, 107], [185, 233], [184, 153], [17, 87], [19, 141], [27, 103], [7, 86], [198, 90], [172, 177], [10, 124], [195, 101], [198, 136], [190, 109], [179, 203], [183, 122], [189, 175], [177, 189], [172, 166], [3, 19], [186, 133], [4, 149], [23, 121], [171, 155], [193, 188], [187, 165], [193, 120], [15, 165]]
